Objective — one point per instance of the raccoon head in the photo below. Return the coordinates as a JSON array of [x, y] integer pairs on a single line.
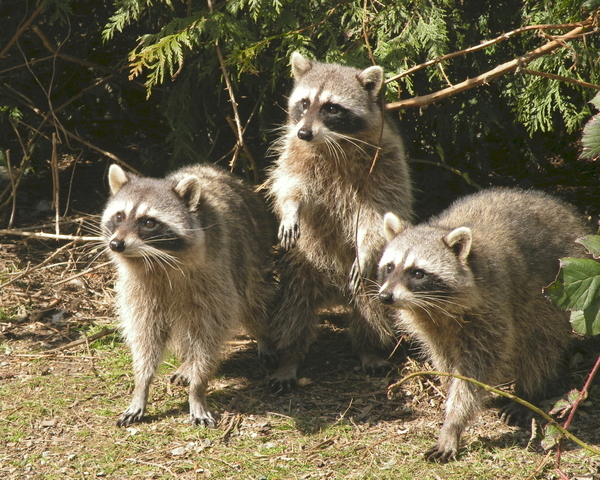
[[424, 267], [332, 102], [150, 218]]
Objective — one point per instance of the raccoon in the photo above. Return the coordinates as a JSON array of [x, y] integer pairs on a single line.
[[193, 253], [341, 166], [468, 285]]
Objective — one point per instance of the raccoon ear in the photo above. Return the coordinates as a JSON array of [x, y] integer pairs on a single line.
[[392, 226], [460, 240], [189, 189], [371, 79], [116, 178], [300, 65]]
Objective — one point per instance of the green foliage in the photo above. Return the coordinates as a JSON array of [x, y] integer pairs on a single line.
[[591, 133], [577, 288]]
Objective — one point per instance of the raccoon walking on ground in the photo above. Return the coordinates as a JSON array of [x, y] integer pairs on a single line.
[[193, 257], [341, 167], [468, 285]]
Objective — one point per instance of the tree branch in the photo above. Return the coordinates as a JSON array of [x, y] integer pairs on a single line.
[[22, 29], [513, 65]]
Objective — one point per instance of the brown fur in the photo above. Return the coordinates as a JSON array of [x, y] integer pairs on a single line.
[[330, 196], [193, 255], [468, 285]]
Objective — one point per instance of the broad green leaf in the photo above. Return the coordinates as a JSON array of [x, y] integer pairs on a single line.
[[592, 243], [577, 285], [587, 322], [551, 437], [591, 139]]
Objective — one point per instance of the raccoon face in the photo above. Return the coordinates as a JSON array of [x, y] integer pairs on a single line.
[[331, 102], [423, 267], [150, 218]]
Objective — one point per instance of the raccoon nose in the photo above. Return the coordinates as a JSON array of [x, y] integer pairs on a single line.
[[387, 298], [117, 245], [305, 134]]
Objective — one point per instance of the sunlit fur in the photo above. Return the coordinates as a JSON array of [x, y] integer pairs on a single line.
[[330, 197], [468, 285], [193, 254]]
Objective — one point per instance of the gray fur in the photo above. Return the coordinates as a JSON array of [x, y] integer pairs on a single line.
[[479, 311], [193, 254], [330, 192]]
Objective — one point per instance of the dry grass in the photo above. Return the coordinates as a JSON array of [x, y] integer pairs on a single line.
[[58, 410]]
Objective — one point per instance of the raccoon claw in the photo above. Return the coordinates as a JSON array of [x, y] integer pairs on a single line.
[[357, 274], [289, 234], [515, 415], [179, 379], [281, 386], [439, 455], [205, 420], [127, 418], [380, 369]]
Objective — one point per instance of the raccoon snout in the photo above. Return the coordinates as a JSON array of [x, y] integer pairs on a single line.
[[117, 245], [387, 298], [305, 134]]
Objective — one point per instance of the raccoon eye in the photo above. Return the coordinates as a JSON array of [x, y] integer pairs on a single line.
[[305, 104], [119, 217], [332, 109], [149, 223], [418, 274], [389, 268]]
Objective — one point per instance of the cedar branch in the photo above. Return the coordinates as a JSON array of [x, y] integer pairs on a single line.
[[511, 66]]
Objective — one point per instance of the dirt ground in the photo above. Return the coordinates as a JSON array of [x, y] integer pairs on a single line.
[[59, 400]]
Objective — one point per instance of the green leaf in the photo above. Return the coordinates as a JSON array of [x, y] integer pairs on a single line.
[[587, 322], [592, 243], [577, 285], [551, 438], [591, 139]]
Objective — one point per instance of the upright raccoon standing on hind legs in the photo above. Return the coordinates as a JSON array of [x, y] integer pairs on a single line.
[[341, 167], [193, 255], [468, 285]]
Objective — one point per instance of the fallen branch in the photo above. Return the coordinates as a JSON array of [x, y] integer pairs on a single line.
[[511, 66], [392, 388], [102, 333], [80, 274], [74, 238]]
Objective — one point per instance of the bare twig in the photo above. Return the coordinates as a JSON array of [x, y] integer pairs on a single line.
[[238, 123], [55, 184], [37, 267], [24, 233], [85, 63], [22, 29], [81, 274], [552, 76], [110, 155], [490, 75], [501, 38], [14, 189], [582, 396], [85, 340], [488, 388]]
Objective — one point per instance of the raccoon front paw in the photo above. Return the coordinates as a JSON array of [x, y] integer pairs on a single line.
[[267, 357], [515, 415], [130, 416], [204, 419], [180, 379], [375, 366], [281, 386], [358, 272], [289, 232], [439, 454]]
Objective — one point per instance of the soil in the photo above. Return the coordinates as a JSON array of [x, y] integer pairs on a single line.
[[48, 305]]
